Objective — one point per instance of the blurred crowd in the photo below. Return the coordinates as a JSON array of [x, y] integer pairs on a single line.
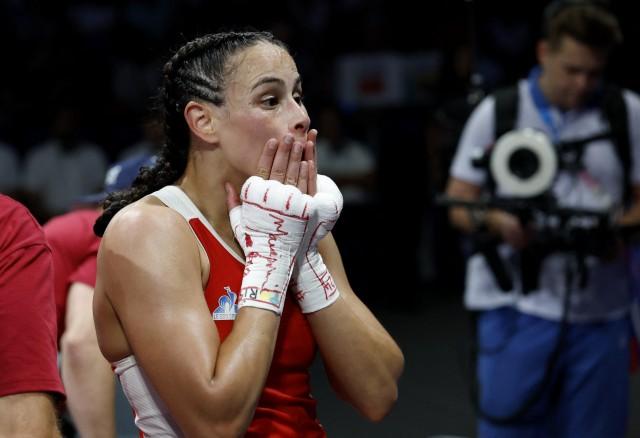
[[79, 79]]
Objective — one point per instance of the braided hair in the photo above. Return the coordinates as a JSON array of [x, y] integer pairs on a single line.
[[196, 71]]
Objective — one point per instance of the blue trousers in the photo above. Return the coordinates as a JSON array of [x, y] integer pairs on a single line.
[[587, 390]]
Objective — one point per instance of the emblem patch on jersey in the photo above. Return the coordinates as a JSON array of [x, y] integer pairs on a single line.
[[227, 307]]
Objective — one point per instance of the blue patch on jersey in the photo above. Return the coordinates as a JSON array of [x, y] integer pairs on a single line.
[[227, 307]]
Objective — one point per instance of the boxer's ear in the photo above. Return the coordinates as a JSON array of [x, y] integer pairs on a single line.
[[201, 120]]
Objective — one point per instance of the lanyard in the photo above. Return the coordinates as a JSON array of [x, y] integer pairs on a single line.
[[541, 103]]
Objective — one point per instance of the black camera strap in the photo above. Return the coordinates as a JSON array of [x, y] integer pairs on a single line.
[[506, 109], [614, 109]]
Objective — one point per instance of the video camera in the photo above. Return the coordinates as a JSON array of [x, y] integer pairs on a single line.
[[522, 167]]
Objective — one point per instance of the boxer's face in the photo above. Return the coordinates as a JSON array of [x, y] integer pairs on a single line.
[[263, 100]]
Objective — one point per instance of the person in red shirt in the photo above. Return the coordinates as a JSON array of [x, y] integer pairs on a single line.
[[29, 379], [218, 278], [86, 374]]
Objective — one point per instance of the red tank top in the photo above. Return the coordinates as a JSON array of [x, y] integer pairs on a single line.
[[286, 407], [74, 248]]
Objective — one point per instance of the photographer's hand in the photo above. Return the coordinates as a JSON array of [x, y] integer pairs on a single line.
[[631, 216], [508, 227], [627, 223], [498, 222]]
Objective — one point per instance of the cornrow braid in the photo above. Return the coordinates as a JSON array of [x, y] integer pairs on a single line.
[[196, 71]]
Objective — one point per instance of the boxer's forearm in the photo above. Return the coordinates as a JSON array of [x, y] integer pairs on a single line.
[[363, 361]]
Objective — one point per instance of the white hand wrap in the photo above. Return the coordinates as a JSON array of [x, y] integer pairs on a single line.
[[312, 283], [269, 225]]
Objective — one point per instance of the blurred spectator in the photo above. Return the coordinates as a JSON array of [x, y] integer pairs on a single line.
[[350, 163], [64, 167], [74, 246], [29, 378]]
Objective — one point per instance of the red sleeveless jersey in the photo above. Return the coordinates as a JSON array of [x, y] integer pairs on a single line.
[[286, 407]]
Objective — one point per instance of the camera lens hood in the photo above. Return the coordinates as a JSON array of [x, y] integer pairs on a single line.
[[523, 163]]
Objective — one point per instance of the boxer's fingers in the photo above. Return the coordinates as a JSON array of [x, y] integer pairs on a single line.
[[281, 159], [293, 168], [265, 162]]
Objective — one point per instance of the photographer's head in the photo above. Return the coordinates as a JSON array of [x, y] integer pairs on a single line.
[[577, 39]]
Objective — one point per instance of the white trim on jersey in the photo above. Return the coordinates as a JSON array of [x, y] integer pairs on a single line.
[[174, 198], [152, 417]]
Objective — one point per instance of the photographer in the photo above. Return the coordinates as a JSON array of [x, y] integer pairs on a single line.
[[552, 359]]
